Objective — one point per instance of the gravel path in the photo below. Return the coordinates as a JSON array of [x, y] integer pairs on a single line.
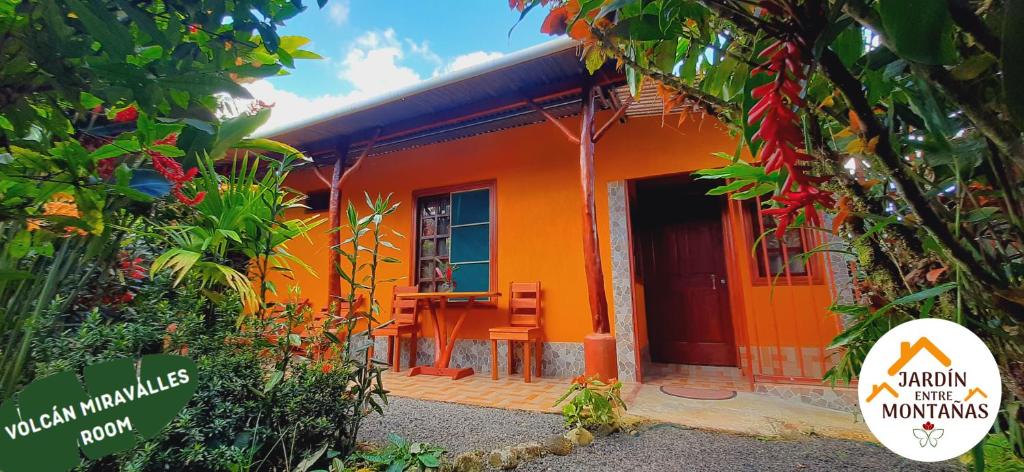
[[460, 428]]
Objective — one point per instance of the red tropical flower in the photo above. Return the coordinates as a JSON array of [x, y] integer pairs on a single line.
[[173, 172], [170, 139], [780, 129], [132, 268], [128, 114], [193, 28], [105, 167]]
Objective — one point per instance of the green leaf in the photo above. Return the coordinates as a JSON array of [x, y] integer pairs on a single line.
[[103, 25], [273, 381], [144, 21], [920, 30], [925, 294], [20, 244], [11, 274], [235, 129], [849, 45], [1013, 59], [168, 150], [6, 124], [430, 460], [263, 144], [108, 150], [88, 100]]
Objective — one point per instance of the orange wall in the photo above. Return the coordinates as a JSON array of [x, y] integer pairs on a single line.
[[539, 229]]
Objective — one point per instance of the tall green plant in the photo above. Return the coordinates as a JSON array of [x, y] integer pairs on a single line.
[[240, 225], [363, 251]]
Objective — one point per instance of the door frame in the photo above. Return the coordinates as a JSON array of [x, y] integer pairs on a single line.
[[737, 310]]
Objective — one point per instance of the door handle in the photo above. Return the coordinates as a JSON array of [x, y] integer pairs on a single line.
[[714, 282]]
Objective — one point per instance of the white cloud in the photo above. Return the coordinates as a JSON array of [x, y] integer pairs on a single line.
[[338, 12], [374, 64], [423, 50], [291, 108], [469, 60]]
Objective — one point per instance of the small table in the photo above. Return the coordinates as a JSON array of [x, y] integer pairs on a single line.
[[444, 341]]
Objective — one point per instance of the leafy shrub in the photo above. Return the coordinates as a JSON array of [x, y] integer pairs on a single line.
[[593, 403], [399, 455]]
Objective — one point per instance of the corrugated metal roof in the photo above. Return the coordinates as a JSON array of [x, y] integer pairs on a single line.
[[482, 99]]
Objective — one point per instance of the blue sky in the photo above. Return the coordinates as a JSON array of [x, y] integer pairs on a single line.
[[373, 47]]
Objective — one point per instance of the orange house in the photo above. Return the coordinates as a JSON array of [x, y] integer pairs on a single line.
[[690, 297]]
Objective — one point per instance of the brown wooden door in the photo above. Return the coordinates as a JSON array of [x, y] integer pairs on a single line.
[[683, 263]]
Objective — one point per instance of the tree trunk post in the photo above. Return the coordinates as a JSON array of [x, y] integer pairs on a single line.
[[334, 221], [599, 346]]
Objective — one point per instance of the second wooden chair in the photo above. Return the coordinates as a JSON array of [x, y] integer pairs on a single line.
[[524, 309], [405, 320]]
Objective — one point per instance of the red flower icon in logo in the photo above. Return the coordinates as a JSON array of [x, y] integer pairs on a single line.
[[928, 435]]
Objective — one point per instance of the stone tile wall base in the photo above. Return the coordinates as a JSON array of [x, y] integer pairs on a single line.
[[840, 398], [563, 360]]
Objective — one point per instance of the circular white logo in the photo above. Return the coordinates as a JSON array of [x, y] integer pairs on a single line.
[[929, 390]]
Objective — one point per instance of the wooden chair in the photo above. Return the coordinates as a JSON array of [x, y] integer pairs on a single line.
[[405, 317], [524, 309]]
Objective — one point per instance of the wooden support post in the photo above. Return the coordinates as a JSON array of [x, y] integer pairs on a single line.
[[338, 178], [599, 346], [591, 248], [334, 221]]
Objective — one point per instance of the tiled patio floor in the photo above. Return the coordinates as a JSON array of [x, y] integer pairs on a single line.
[[747, 413], [480, 390], [696, 376]]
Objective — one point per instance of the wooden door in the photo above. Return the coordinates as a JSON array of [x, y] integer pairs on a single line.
[[682, 259]]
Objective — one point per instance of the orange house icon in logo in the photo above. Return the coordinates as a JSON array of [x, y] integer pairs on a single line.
[[908, 352]]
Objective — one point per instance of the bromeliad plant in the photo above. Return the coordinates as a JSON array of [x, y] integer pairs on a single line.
[[901, 120], [592, 403]]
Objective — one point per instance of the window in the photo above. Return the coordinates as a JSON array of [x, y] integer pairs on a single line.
[[318, 201], [769, 255], [455, 228]]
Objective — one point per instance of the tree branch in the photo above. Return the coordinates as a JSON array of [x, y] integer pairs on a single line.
[[551, 119], [1003, 134], [611, 121], [967, 20], [841, 77]]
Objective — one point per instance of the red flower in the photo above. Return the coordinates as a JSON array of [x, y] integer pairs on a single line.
[[781, 132], [928, 426], [170, 139], [105, 167], [128, 114], [193, 28], [132, 268], [173, 172]]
